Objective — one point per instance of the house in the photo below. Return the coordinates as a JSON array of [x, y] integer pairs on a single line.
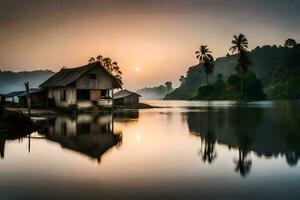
[[126, 97], [82, 87], [38, 97]]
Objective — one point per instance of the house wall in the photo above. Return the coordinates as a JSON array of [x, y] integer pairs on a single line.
[[54, 93], [132, 99], [103, 81], [129, 100]]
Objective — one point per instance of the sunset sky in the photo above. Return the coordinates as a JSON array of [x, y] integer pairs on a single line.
[[152, 40]]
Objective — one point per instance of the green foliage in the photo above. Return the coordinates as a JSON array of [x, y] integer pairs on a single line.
[[253, 87], [220, 90], [265, 61], [286, 78], [214, 91]]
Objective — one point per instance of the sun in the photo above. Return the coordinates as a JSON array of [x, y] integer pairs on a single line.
[[137, 69]]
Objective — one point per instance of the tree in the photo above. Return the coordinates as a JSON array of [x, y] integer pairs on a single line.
[[109, 65], [182, 79], [239, 43], [206, 59], [116, 71], [169, 87], [290, 43], [242, 68], [99, 58], [92, 60]]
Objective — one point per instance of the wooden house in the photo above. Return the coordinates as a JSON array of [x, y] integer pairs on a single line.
[[126, 97], [82, 87]]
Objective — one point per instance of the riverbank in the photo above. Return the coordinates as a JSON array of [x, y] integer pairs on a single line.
[[15, 124], [51, 112]]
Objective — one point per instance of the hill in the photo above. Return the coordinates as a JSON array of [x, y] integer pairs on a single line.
[[157, 92], [14, 81], [266, 61]]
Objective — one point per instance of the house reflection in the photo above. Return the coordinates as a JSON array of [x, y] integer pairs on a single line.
[[88, 134]]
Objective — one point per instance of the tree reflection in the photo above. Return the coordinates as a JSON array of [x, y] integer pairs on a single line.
[[243, 163], [208, 153]]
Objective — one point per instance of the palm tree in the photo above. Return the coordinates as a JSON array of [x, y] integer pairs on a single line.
[[242, 68], [206, 59], [92, 60], [239, 43], [208, 66]]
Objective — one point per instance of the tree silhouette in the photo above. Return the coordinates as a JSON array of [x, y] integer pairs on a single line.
[[169, 87], [99, 58], [206, 59], [182, 79], [290, 43], [242, 68], [92, 60], [239, 43], [109, 65]]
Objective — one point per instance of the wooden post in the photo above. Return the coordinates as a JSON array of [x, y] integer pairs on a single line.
[[112, 96], [28, 98], [2, 103]]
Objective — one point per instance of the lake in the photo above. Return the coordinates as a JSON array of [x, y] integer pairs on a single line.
[[208, 150]]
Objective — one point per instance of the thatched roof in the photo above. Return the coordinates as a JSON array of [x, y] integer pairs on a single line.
[[124, 93], [68, 75]]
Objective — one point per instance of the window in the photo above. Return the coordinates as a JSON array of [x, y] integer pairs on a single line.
[[83, 94], [104, 93], [93, 76], [63, 95]]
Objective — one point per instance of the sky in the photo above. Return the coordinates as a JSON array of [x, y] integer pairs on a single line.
[[153, 41]]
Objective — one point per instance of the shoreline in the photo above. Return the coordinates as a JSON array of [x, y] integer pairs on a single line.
[[52, 112]]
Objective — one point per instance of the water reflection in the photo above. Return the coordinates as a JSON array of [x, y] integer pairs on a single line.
[[204, 151], [266, 132], [208, 152]]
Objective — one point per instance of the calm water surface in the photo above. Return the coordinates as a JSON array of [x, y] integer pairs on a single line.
[[208, 150]]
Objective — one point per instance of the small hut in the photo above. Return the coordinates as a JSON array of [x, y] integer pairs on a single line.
[[38, 97], [126, 97]]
